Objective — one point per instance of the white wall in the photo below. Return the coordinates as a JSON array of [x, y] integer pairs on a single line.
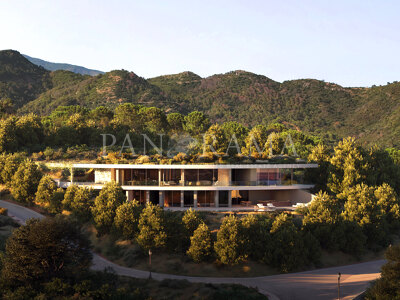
[[101, 176]]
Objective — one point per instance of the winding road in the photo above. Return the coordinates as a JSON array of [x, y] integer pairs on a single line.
[[315, 284]]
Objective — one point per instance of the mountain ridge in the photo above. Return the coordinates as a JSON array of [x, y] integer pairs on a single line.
[[315, 106], [52, 66]]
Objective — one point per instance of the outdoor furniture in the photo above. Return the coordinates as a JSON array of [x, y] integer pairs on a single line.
[[245, 203], [261, 206]]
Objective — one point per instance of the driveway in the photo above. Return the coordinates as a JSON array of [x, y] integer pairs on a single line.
[[315, 284]]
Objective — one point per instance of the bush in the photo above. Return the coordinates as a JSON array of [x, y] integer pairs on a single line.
[[105, 206], [152, 233], [43, 249], [25, 182], [387, 286], [287, 251], [48, 195], [79, 200], [200, 244], [126, 219], [230, 247], [3, 211]]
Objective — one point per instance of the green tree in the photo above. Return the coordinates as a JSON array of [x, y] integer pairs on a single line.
[[126, 219], [319, 176], [102, 116], [389, 204], [44, 249], [200, 244], [8, 136], [274, 144], [25, 182], [256, 235], [387, 286], [79, 200], [49, 195], [175, 122], [152, 233], [9, 164], [196, 123], [191, 221], [233, 128], [287, 251], [214, 139], [154, 119], [382, 169], [255, 140], [362, 207], [349, 166], [128, 114], [29, 132], [229, 247], [105, 205]]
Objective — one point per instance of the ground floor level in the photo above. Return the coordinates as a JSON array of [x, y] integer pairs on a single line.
[[219, 198]]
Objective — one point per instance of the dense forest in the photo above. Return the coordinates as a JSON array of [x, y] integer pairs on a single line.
[[312, 106]]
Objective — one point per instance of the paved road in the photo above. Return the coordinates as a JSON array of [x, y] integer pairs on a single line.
[[315, 284]]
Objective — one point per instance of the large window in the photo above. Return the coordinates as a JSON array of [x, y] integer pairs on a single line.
[[139, 196], [223, 198], [188, 198], [171, 176], [201, 177], [140, 177], [268, 177], [205, 198], [172, 199]]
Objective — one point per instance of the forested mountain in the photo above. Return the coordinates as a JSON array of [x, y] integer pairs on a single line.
[[60, 66], [327, 109]]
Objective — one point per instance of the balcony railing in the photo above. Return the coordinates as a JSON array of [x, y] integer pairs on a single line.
[[141, 182], [263, 182], [210, 183]]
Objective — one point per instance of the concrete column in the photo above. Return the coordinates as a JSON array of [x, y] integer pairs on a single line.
[[161, 195], [159, 177], [229, 198], [195, 199], [216, 198], [122, 177], [129, 195], [183, 176], [113, 175], [147, 197], [117, 177], [182, 198], [72, 175]]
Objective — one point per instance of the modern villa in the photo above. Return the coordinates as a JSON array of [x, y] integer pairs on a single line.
[[201, 185]]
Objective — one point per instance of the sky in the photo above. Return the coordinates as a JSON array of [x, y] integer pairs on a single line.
[[352, 43]]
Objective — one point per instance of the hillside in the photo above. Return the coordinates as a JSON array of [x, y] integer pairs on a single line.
[[326, 109], [20, 80], [50, 66]]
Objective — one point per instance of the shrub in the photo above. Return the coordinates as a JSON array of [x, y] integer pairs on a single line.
[[105, 206], [200, 244], [152, 233], [126, 219], [25, 182], [229, 246]]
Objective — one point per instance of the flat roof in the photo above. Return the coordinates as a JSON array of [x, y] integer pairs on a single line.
[[194, 166]]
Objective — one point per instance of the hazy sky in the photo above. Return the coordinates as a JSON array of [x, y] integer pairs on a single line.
[[353, 43]]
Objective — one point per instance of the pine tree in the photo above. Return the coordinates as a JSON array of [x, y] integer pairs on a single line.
[[200, 244]]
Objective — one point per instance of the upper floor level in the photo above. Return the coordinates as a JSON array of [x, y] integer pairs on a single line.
[[192, 176]]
